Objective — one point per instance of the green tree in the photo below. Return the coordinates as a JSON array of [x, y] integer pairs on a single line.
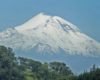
[[93, 74], [60, 68], [8, 64]]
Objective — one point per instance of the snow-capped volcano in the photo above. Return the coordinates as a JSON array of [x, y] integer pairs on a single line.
[[49, 33]]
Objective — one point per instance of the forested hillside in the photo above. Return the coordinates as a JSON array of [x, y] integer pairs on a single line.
[[20, 68]]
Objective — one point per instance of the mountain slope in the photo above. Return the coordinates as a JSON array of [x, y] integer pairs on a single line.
[[49, 33]]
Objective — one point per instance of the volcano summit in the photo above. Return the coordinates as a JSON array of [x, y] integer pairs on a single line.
[[49, 34]]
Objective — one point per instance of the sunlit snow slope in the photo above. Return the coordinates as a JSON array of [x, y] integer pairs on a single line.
[[49, 34]]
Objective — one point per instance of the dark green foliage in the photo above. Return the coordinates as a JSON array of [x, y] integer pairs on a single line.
[[93, 74], [44, 71], [13, 68], [8, 65], [60, 68]]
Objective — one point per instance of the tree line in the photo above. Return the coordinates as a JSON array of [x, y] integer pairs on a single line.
[[20, 68]]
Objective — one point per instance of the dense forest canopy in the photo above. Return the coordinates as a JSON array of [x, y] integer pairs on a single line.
[[20, 68]]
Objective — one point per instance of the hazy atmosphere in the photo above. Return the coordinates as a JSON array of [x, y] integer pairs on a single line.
[[49, 40]]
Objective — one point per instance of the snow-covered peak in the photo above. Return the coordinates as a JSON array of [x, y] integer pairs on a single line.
[[49, 34], [42, 20], [39, 19]]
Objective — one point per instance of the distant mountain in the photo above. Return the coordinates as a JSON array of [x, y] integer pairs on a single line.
[[49, 34]]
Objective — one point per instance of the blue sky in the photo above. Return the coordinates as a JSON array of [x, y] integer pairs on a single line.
[[83, 13]]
